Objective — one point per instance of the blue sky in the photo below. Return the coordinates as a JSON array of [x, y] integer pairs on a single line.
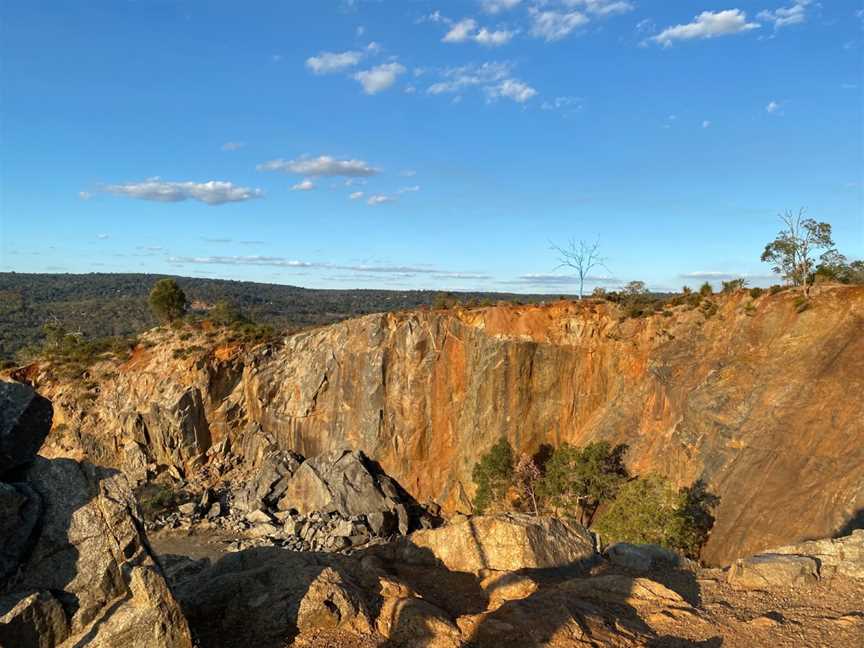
[[441, 145]]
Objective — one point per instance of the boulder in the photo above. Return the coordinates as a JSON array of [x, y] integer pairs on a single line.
[[842, 556], [641, 557], [35, 621], [503, 542], [25, 419], [339, 481], [88, 551], [769, 571], [266, 596], [20, 509]]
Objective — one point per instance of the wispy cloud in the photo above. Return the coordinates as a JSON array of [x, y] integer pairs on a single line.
[[322, 166], [214, 192], [774, 108], [795, 14], [304, 185], [708, 24], [512, 89], [468, 29], [233, 146], [379, 199], [555, 25], [330, 62], [559, 280], [497, 6], [356, 195], [283, 262], [103, 237], [380, 77], [493, 77]]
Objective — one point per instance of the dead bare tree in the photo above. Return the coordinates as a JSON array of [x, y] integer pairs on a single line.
[[581, 257]]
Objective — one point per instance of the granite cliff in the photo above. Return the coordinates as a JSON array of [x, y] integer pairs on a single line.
[[761, 399]]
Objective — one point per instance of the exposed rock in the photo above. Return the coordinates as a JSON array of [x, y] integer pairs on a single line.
[[89, 553], [34, 621], [503, 543], [640, 557], [337, 481], [20, 509], [767, 571], [25, 419], [744, 400], [836, 556], [73, 561], [264, 597]]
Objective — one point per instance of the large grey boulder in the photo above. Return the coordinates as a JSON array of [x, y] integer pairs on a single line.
[[269, 482], [25, 419], [507, 542], [640, 557], [773, 571], [267, 596], [339, 481], [87, 550]]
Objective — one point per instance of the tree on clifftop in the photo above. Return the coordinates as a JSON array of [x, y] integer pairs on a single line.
[[581, 257], [167, 300], [791, 251]]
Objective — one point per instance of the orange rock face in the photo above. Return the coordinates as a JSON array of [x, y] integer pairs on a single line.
[[763, 402]]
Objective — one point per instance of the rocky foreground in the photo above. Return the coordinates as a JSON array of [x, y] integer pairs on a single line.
[[236, 568]]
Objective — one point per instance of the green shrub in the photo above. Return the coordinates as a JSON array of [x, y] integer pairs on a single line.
[[730, 287], [801, 304], [756, 293], [578, 480], [777, 289], [493, 475], [705, 289], [167, 300], [651, 510]]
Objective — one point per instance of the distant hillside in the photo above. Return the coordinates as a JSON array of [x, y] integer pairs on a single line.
[[101, 304]]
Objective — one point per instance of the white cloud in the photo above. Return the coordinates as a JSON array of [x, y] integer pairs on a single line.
[[360, 31], [323, 165], [379, 77], [555, 25], [460, 31], [467, 29], [467, 76], [493, 38], [512, 89], [785, 16], [85, 195], [304, 185], [357, 195], [329, 62], [413, 189], [497, 6], [773, 108], [602, 7], [103, 237], [233, 146], [408, 173], [706, 124], [379, 199], [214, 192], [708, 24]]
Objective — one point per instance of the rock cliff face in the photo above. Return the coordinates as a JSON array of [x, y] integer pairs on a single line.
[[760, 400], [75, 566]]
